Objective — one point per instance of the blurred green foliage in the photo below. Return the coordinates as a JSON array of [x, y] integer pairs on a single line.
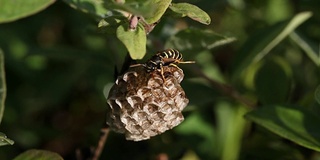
[[33, 154], [59, 64]]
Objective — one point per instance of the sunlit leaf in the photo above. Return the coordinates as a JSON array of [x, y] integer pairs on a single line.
[[4, 140], [295, 124], [288, 27], [3, 88], [260, 45], [197, 39], [88, 6], [230, 129], [34, 154], [160, 6], [14, 10], [191, 11], [134, 40]]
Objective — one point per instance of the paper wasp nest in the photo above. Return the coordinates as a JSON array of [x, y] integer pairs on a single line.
[[142, 105]]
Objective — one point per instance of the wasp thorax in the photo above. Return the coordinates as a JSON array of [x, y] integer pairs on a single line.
[[151, 66], [143, 104]]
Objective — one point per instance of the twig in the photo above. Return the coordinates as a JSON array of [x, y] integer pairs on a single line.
[[148, 27], [102, 140], [134, 21]]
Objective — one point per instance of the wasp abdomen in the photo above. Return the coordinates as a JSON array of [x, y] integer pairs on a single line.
[[163, 58], [170, 54]]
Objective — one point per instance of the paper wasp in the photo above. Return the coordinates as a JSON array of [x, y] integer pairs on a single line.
[[168, 57]]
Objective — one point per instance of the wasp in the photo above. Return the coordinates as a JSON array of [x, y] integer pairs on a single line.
[[168, 57]]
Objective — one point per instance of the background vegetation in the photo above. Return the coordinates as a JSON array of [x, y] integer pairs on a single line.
[[253, 98]]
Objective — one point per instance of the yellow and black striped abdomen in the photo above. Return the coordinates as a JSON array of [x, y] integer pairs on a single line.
[[170, 54]]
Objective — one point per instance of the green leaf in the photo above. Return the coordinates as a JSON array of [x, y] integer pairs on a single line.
[[134, 40], [14, 10], [34, 154], [230, 130], [110, 24], [317, 94], [276, 10], [4, 140], [192, 11], [296, 124], [309, 48], [273, 89], [3, 88], [238, 4], [196, 39], [151, 10], [89, 6], [159, 7], [200, 134], [259, 45], [135, 8], [132, 8]]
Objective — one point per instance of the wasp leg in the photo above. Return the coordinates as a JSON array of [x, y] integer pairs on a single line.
[[136, 65], [162, 73], [174, 65]]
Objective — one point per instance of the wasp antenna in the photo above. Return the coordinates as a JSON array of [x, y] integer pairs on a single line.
[[187, 62]]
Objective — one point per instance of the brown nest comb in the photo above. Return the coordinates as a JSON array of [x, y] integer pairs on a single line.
[[143, 105]]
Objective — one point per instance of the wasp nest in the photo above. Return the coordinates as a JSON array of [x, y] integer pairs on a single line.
[[143, 105]]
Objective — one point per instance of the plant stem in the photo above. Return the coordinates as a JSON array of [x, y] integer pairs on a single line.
[[102, 140]]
